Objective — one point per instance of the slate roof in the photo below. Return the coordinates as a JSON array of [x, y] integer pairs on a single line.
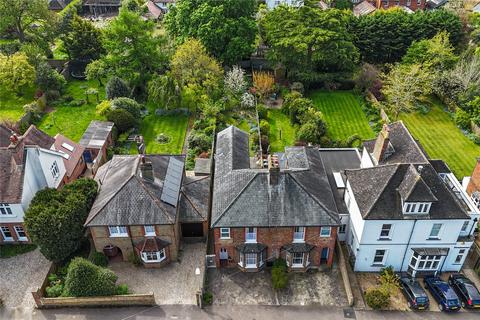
[[244, 197], [251, 247], [36, 137], [194, 196], [5, 134], [405, 148], [125, 198], [337, 160], [96, 134], [151, 244], [378, 192], [202, 166], [298, 247]]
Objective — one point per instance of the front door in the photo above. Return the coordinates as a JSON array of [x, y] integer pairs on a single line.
[[324, 255]]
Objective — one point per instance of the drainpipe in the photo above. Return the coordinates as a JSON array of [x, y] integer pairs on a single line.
[[408, 244]]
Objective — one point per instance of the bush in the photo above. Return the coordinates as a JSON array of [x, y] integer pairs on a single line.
[[377, 298], [127, 104], [134, 259], [199, 140], [116, 88], [207, 298], [389, 279], [85, 186], [122, 119], [262, 112], [98, 259], [462, 119], [54, 291], [103, 108], [264, 127], [48, 79], [84, 279], [279, 274], [121, 289]]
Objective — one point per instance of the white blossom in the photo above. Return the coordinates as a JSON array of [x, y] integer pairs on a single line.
[[247, 100], [235, 80]]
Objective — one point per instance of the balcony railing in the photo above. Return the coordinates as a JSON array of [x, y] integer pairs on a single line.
[[250, 237]]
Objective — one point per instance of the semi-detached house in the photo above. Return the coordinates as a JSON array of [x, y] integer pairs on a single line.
[[406, 210], [287, 210]]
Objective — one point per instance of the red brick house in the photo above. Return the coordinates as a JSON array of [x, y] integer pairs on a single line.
[[258, 215], [473, 184]]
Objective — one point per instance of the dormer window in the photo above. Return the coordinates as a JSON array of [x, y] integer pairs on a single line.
[[416, 207]]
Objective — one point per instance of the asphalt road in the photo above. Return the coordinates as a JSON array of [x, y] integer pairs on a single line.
[[178, 312]]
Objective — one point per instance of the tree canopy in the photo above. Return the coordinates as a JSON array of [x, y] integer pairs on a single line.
[[386, 35], [83, 41], [226, 28], [308, 40], [16, 72], [55, 218]]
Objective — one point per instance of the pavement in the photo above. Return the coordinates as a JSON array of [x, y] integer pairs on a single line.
[[230, 286], [19, 276], [175, 283], [176, 312]]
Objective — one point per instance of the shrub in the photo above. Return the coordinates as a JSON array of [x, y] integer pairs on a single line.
[[297, 86], [122, 119], [103, 108], [199, 140], [134, 259], [85, 279], [264, 127], [279, 274], [389, 279], [116, 88], [127, 104], [377, 298], [98, 258], [121, 289], [48, 79], [54, 291], [262, 112], [207, 298], [85, 186], [462, 119]]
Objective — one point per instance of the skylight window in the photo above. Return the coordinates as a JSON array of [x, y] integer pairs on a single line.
[[68, 147], [338, 180]]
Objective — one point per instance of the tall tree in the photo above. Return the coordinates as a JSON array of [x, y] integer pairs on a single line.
[[16, 72], [226, 28], [308, 40], [83, 42], [133, 52], [21, 15]]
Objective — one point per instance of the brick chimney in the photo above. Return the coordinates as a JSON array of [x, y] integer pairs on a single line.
[[14, 139], [381, 144], [273, 170], [474, 183], [146, 169]]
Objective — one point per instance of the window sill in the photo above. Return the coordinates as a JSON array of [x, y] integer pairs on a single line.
[[298, 241], [251, 266], [433, 239], [325, 236], [297, 266], [150, 234], [251, 241], [378, 265], [384, 239], [119, 236], [225, 238]]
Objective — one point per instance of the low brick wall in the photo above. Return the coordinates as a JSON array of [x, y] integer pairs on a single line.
[[342, 263], [109, 301]]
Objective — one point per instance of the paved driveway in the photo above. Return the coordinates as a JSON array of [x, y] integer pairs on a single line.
[[175, 283], [233, 287], [20, 275]]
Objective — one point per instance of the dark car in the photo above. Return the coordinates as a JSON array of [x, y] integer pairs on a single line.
[[416, 297], [466, 290], [444, 294]]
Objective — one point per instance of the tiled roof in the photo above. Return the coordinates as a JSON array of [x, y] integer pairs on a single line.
[[126, 198], [363, 8], [96, 134], [242, 197], [62, 145], [378, 192], [194, 197]]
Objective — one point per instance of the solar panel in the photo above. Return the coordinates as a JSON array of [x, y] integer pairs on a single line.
[[173, 180]]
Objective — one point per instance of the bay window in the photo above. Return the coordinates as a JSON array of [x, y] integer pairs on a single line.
[[155, 256]]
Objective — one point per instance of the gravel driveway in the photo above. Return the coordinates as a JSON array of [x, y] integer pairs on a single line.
[[19, 276]]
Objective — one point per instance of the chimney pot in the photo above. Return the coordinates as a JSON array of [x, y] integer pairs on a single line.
[[14, 138]]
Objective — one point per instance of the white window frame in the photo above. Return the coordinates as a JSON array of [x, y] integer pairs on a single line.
[[389, 235], [427, 260], [325, 235], [249, 257], [4, 229], [54, 169], [298, 265], [5, 210], [384, 257], [416, 207], [461, 253], [465, 226], [248, 238], [149, 233], [158, 256], [118, 231], [18, 231], [224, 231], [298, 234], [437, 236], [241, 259]]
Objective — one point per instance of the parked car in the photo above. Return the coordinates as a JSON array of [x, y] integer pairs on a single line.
[[412, 290], [466, 290], [444, 294]]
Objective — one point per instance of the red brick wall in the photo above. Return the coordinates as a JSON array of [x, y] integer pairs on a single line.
[[474, 184], [14, 234], [275, 239], [379, 4]]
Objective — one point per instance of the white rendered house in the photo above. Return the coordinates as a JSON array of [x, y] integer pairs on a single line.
[[406, 211], [27, 165]]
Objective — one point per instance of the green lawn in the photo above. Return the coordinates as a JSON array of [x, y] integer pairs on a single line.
[[343, 114], [443, 140], [174, 126], [11, 105], [71, 121], [282, 134]]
